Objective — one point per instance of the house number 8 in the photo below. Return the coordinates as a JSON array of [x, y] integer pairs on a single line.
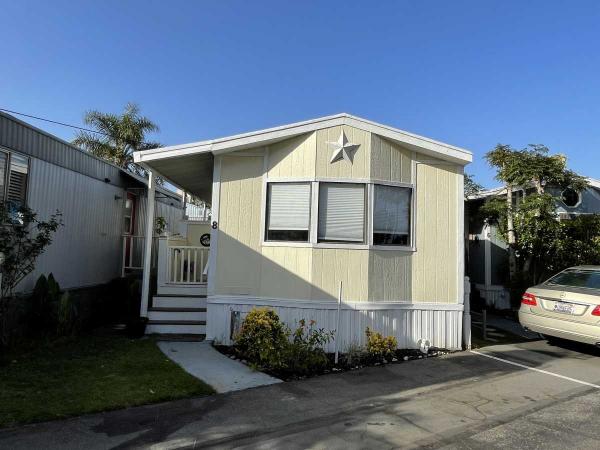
[[214, 225]]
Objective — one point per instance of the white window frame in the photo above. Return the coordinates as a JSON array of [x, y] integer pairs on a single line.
[[411, 226], [265, 212], [6, 174], [314, 214], [9, 153]]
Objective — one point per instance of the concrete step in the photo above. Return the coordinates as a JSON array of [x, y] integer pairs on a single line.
[[178, 301], [185, 314], [177, 327], [182, 337]]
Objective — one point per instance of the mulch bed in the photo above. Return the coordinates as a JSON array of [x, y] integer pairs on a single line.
[[345, 363]]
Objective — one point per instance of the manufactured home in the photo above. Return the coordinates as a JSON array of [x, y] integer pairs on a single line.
[[103, 207], [305, 212]]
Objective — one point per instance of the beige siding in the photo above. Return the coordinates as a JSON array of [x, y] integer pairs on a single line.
[[293, 157], [389, 161], [286, 272], [434, 276], [343, 169], [239, 259], [330, 266], [195, 231], [389, 276], [246, 267]]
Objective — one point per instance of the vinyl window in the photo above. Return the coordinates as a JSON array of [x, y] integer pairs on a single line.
[[391, 215], [3, 173], [288, 212], [14, 172], [342, 212], [16, 193]]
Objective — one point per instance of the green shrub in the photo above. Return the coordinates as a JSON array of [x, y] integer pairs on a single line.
[[304, 355], [265, 341], [380, 347], [67, 316], [262, 338], [42, 305]]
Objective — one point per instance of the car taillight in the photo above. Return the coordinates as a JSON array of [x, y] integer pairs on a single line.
[[596, 311], [528, 299]]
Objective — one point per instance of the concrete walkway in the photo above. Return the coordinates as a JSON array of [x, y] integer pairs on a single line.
[[204, 362]]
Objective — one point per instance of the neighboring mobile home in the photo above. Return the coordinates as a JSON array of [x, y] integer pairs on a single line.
[[103, 206], [298, 209], [487, 257]]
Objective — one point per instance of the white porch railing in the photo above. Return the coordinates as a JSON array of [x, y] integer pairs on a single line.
[[133, 253], [197, 213], [187, 264]]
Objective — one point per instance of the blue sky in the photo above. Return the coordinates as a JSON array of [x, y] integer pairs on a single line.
[[469, 73]]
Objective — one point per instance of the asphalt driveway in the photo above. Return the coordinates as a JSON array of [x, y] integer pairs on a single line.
[[463, 400]]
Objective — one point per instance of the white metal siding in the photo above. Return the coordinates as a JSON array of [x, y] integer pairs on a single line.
[[443, 328], [24, 138], [87, 249]]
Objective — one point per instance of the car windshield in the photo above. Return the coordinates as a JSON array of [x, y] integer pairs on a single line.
[[589, 279]]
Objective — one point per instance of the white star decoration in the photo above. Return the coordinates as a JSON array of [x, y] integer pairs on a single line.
[[342, 149]]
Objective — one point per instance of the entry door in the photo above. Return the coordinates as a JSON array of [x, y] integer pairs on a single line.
[[129, 225]]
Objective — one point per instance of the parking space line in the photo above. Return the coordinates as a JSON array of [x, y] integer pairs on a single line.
[[536, 370]]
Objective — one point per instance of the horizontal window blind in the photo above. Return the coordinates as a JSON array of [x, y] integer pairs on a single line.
[[341, 212], [17, 179], [3, 160], [391, 210], [289, 206]]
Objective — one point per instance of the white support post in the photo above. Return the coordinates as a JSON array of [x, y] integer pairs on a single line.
[[337, 326], [148, 245], [467, 315]]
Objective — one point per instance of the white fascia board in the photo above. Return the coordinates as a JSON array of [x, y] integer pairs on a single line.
[[439, 149], [594, 183], [264, 137]]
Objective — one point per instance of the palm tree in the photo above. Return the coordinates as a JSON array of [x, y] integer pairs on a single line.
[[117, 136]]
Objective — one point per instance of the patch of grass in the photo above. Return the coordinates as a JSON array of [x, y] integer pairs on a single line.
[[89, 374]]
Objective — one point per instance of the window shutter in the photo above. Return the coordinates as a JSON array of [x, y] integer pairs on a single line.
[[17, 179], [289, 206], [391, 210], [341, 212]]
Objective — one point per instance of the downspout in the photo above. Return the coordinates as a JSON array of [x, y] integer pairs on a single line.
[[148, 244]]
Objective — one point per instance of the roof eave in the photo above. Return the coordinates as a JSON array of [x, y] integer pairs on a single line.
[[271, 135]]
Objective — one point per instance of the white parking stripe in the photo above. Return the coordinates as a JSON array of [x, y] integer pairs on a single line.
[[537, 370]]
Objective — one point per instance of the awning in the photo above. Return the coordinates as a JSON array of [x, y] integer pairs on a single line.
[[192, 173]]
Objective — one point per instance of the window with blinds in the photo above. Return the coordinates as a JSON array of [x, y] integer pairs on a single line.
[[3, 162], [288, 212], [341, 212], [17, 180], [391, 215]]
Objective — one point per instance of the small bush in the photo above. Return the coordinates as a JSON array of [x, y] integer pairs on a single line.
[[355, 354], [67, 316], [262, 338], [266, 342], [42, 306], [305, 354], [380, 347]]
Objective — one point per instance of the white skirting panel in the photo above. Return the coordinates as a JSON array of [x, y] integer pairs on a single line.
[[441, 324]]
